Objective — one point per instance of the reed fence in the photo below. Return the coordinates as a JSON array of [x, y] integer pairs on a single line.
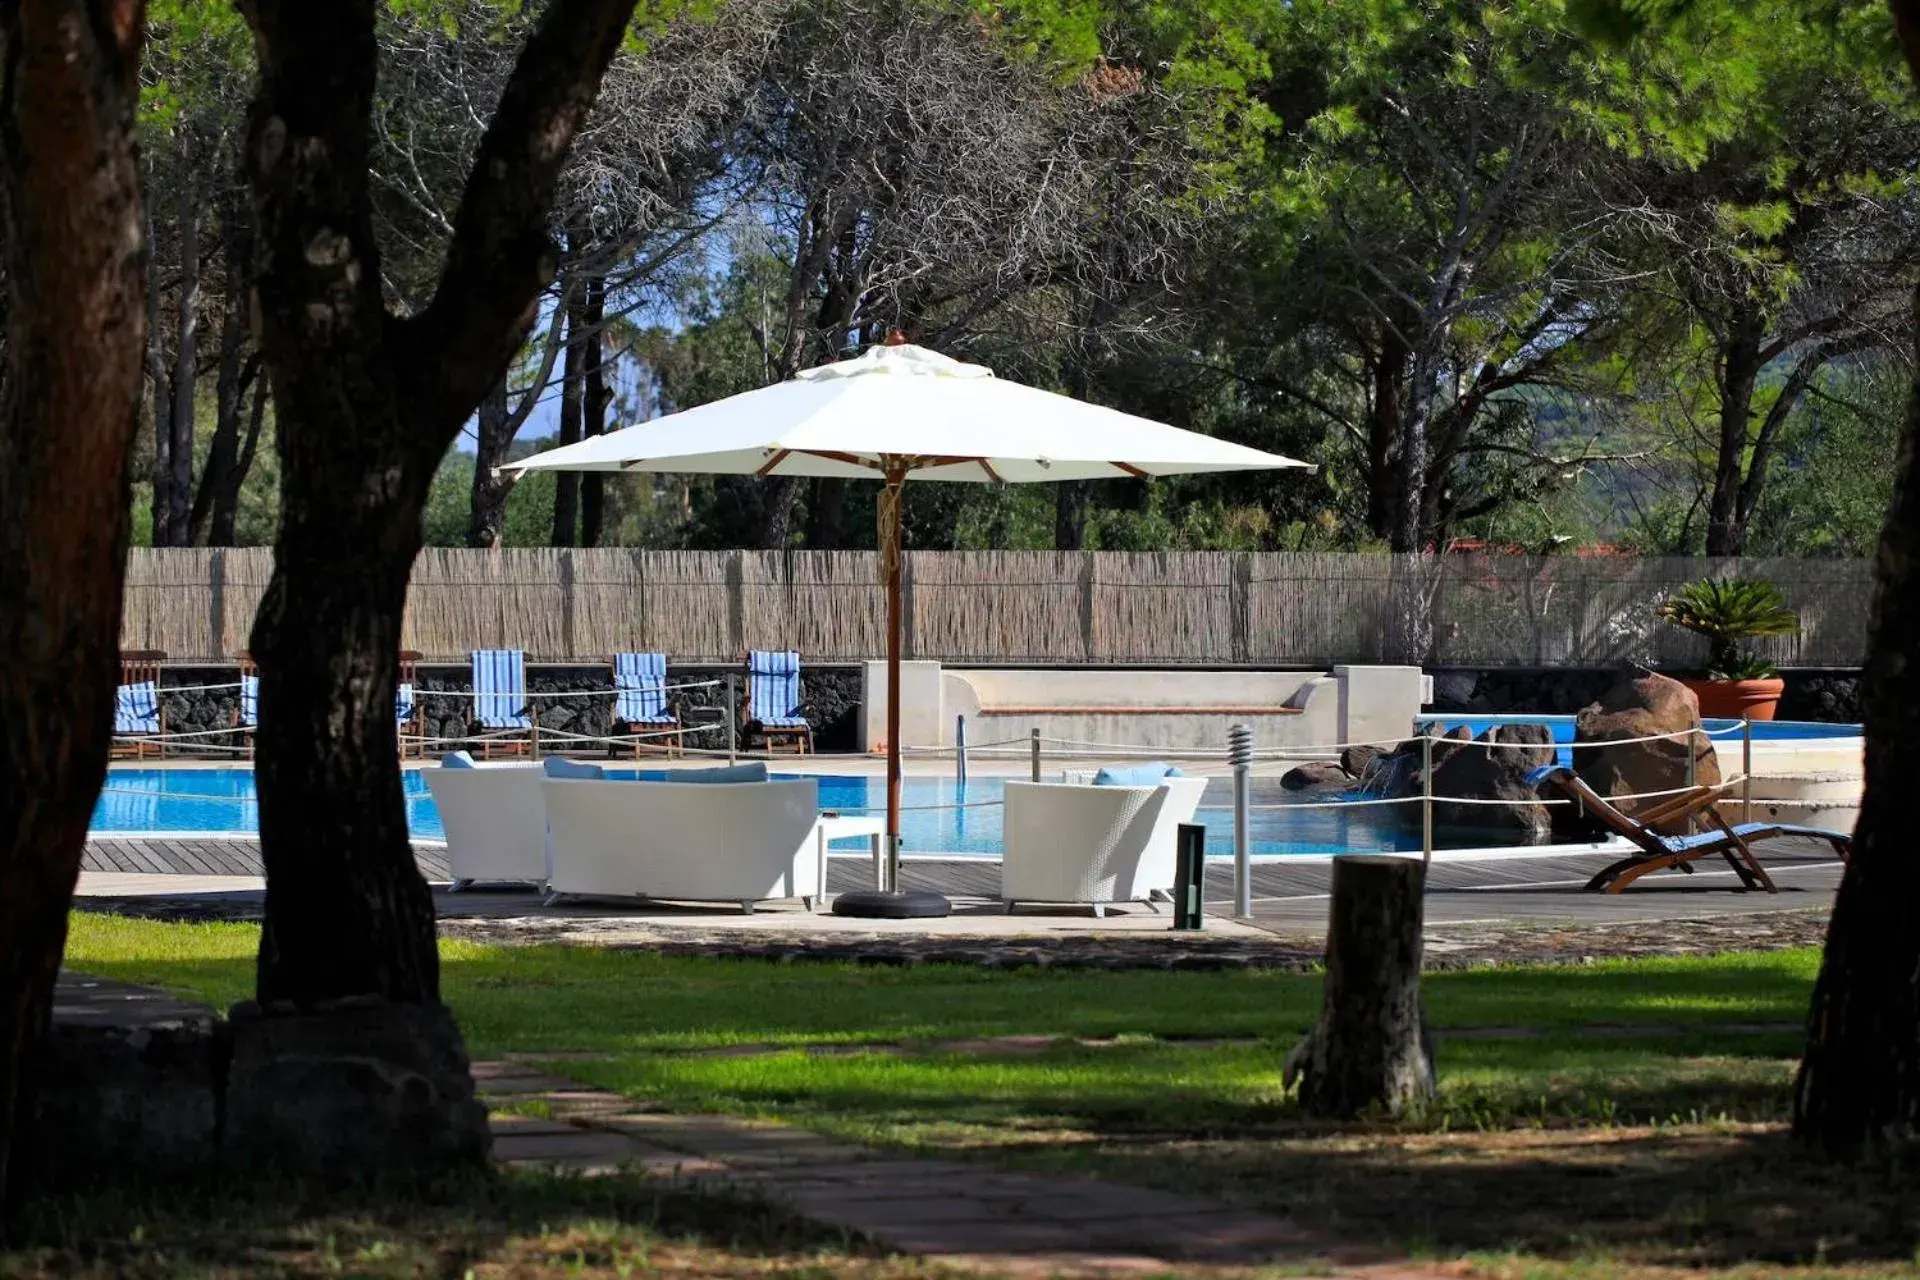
[[1160, 608]]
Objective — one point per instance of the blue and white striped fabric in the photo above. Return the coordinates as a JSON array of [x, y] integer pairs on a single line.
[[641, 679], [775, 694], [403, 703], [250, 701], [136, 708], [500, 689]]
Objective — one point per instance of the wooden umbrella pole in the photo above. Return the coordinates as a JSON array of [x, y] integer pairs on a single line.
[[896, 473]]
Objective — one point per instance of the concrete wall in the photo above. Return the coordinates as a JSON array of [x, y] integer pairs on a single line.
[[1172, 709]]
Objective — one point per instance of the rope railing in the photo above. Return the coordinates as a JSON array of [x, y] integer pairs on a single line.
[[1240, 761], [1491, 801], [534, 695]]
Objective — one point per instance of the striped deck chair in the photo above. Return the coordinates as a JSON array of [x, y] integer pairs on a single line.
[[773, 700], [640, 703], [500, 700], [1656, 852], [139, 721]]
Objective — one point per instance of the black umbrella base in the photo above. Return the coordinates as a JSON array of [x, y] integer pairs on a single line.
[[875, 904]]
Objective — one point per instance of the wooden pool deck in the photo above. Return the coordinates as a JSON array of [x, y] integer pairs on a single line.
[[1288, 895]]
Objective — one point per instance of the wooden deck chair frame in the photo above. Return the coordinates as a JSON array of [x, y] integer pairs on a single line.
[[409, 673], [243, 659], [136, 666], [659, 737], [800, 736], [1735, 845]]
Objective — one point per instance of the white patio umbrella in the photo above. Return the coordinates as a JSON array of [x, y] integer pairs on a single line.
[[898, 412]]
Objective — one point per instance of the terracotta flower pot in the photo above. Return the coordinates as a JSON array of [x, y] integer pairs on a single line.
[[1737, 699]]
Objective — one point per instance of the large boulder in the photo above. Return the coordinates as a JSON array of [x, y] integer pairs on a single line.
[[126, 1098], [1491, 767], [1315, 773], [1355, 761], [1494, 766], [349, 1087], [1619, 750]]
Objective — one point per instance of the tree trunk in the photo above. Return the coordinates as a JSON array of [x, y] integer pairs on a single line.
[[1370, 1050], [1858, 1091], [487, 509], [71, 233], [1383, 434], [1738, 374], [826, 513], [593, 409], [160, 509], [219, 489], [498, 425], [566, 487], [366, 406], [779, 496], [1070, 515], [226, 499], [186, 360]]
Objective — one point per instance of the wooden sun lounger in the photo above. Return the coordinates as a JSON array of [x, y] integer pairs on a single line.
[[1657, 852]]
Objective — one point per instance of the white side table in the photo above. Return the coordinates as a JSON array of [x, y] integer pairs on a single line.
[[839, 827]]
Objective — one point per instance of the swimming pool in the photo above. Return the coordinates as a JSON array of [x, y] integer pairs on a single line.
[[222, 801], [1282, 822]]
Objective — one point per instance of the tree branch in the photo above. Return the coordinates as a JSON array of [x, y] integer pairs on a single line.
[[501, 257]]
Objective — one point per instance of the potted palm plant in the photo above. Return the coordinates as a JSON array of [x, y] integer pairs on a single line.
[[1737, 684]]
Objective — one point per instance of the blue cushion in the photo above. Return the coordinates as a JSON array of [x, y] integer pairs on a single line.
[[561, 767], [1138, 775], [456, 760], [754, 772]]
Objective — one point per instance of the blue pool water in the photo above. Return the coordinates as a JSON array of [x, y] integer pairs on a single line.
[[222, 800]]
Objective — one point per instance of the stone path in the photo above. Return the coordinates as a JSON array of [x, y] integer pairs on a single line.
[[960, 1215]]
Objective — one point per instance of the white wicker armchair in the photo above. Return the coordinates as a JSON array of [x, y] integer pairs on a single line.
[[495, 820], [1098, 845], [741, 842]]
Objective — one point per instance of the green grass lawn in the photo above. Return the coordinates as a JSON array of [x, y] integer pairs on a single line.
[[1634, 1128]]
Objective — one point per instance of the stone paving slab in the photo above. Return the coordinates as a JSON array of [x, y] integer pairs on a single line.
[[959, 1215]]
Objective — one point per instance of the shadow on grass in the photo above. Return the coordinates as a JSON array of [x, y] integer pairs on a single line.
[[521, 1224], [1661, 1152], [1701, 1196]]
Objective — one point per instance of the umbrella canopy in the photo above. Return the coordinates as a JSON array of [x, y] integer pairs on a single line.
[[905, 406], [894, 413]]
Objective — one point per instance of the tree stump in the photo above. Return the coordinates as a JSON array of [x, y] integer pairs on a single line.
[[1370, 1050]]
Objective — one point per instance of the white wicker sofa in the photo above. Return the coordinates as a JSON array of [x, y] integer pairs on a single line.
[[495, 821], [1098, 845], [739, 842]]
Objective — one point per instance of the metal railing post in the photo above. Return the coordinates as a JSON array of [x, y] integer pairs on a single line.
[[1240, 756], [1693, 753], [960, 749], [1746, 770], [1426, 794], [1189, 876], [733, 720], [1034, 749]]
